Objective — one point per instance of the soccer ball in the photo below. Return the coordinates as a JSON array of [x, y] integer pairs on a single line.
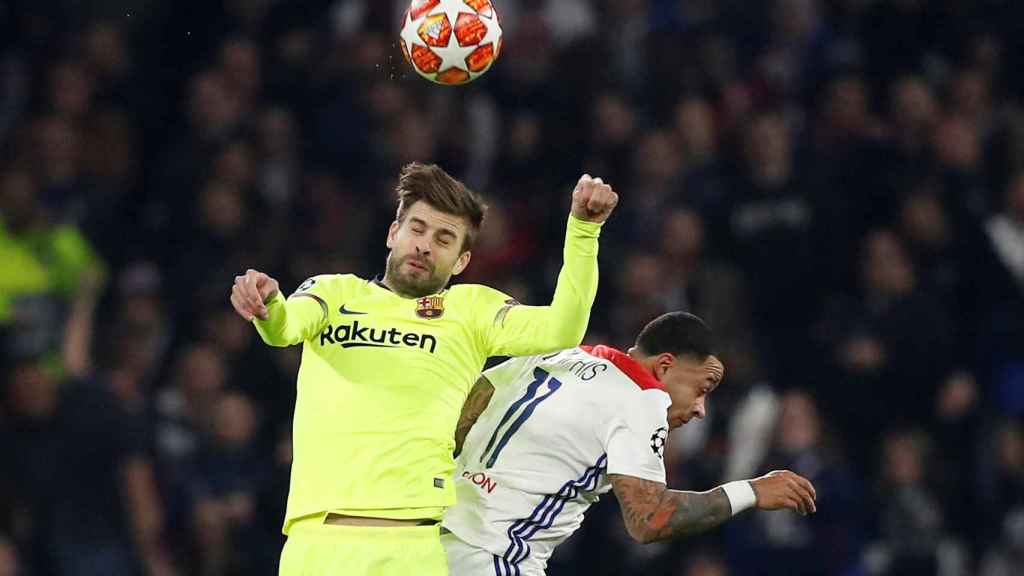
[[451, 41]]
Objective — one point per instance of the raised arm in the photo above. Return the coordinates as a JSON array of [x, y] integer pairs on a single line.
[[652, 512], [523, 330], [257, 298]]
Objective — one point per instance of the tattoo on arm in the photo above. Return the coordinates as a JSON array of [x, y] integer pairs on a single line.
[[652, 512], [475, 405]]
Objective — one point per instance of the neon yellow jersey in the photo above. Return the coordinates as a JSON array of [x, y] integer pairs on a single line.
[[383, 378], [40, 263]]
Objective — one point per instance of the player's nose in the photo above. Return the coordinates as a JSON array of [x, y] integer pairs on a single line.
[[698, 410]]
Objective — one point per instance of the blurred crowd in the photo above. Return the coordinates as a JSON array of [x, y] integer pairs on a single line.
[[836, 186]]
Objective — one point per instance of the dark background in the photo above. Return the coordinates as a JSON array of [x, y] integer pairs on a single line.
[[837, 186]]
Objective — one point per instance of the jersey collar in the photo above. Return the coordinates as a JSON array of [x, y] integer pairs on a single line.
[[378, 280], [637, 373]]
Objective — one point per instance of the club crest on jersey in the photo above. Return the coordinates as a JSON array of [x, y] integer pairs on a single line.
[[430, 307], [658, 442]]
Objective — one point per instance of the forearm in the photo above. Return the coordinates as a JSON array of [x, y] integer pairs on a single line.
[[577, 284], [652, 512], [292, 321], [76, 350], [527, 330], [143, 506], [78, 333], [680, 513]]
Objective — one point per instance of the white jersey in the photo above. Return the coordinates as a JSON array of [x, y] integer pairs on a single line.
[[541, 452]]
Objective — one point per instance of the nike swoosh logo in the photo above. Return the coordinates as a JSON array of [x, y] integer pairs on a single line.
[[349, 312]]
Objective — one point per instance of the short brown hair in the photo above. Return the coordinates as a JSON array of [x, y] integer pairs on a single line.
[[431, 184]]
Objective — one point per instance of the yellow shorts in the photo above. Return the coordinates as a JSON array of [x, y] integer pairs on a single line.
[[317, 549]]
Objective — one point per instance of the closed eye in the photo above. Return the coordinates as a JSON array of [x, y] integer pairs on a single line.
[[445, 238]]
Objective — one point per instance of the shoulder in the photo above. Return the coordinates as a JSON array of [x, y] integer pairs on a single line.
[[475, 290], [647, 410], [68, 239], [325, 284], [67, 233], [481, 296], [628, 402]]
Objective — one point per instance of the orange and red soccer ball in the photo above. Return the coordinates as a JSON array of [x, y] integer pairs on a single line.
[[451, 41]]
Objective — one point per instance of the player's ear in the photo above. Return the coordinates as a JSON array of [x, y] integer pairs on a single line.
[[392, 233], [462, 262], [663, 363]]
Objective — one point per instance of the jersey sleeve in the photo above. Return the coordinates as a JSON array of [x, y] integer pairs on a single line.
[[515, 330], [73, 255], [298, 318], [635, 440], [509, 371]]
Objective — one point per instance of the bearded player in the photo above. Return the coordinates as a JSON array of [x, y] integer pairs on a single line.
[[386, 367], [553, 432]]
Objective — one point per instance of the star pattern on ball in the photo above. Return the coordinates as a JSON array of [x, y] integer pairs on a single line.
[[409, 35], [493, 32], [444, 50], [452, 56]]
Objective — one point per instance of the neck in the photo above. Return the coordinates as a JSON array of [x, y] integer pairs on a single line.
[[644, 360], [388, 282], [640, 373]]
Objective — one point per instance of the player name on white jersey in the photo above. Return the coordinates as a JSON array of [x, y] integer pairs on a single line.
[[540, 455]]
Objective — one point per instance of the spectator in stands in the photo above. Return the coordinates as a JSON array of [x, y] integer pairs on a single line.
[[85, 476], [44, 267], [827, 542], [226, 479]]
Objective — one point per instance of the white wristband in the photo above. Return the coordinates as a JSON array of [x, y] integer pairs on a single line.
[[740, 494]]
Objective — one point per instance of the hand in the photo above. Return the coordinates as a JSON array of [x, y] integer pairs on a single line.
[[250, 294], [593, 200], [783, 489]]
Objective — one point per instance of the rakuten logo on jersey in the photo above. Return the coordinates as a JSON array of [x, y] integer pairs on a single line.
[[357, 336], [483, 481]]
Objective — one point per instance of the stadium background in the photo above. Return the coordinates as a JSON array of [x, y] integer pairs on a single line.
[[837, 186]]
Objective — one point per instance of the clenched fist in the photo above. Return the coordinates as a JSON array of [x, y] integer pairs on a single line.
[[783, 489], [250, 294], [593, 200]]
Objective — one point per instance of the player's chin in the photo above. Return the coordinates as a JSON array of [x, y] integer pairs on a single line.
[[421, 285]]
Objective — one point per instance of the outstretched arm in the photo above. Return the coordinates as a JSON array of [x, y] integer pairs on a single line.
[[257, 298], [525, 330], [652, 512]]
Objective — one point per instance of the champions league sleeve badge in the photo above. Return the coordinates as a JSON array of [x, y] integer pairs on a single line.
[[658, 442]]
